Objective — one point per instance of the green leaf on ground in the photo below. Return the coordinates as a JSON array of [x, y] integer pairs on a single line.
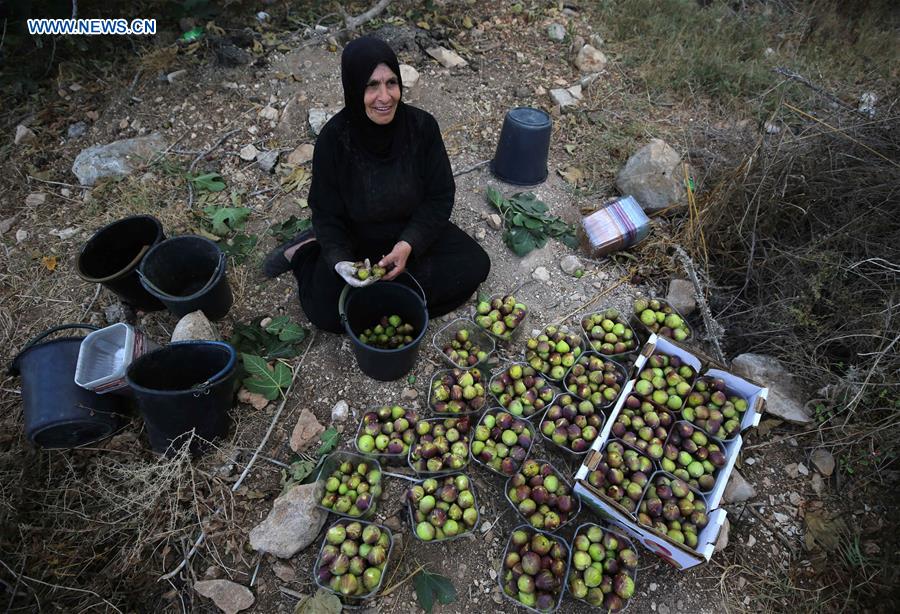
[[528, 223], [253, 339], [226, 220], [265, 380], [329, 439], [210, 182], [285, 329], [288, 228], [323, 602], [430, 587], [239, 246]]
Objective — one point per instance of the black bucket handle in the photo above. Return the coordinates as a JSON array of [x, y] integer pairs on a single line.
[[134, 262], [346, 291], [212, 280], [13, 368]]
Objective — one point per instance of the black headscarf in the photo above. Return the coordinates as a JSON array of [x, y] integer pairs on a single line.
[[358, 61]]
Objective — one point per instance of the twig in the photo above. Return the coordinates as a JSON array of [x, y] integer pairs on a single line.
[[65, 185], [401, 582], [253, 458], [469, 169], [354, 22], [713, 329], [91, 304], [59, 586], [293, 594], [794, 76], [202, 155]]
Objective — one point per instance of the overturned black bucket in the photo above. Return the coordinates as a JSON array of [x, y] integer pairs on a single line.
[[361, 308], [182, 389], [523, 148], [112, 255], [58, 413], [187, 273]]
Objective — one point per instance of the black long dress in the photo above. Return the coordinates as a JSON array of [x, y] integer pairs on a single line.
[[363, 204]]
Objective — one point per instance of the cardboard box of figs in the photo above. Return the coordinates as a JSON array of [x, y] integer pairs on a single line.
[[678, 554]]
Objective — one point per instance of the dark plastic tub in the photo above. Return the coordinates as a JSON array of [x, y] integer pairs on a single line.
[[523, 147], [563, 581], [187, 274], [111, 257], [182, 389], [360, 308], [57, 412]]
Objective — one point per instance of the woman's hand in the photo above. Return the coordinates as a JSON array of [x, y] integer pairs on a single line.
[[395, 262]]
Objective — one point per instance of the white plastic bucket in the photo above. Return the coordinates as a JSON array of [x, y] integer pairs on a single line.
[[105, 356]]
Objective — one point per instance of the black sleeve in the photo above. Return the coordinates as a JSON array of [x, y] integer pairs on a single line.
[[432, 214], [328, 209]]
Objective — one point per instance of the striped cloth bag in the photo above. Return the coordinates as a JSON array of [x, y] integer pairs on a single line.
[[618, 224]]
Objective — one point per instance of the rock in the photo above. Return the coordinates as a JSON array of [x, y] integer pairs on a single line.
[[301, 154], [521, 91], [24, 134], [795, 499], [738, 489], [254, 399], [306, 431], [771, 127], [541, 274], [267, 160], [791, 471], [268, 112], [563, 98], [176, 75], [495, 221], [117, 312], [802, 469], [575, 90], [570, 264], [722, 540], [654, 176], [340, 411], [409, 76], [35, 199], [116, 159], [480, 234], [446, 57], [65, 233], [293, 523], [230, 56], [283, 571], [784, 393], [318, 118], [6, 224], [818, 484], [76, 130], [681, 296], [21, 235], [556, 32], [823, 461], [249, 152], [409, 394], [230, 597], [867, 103], [590, 59], [195, 326]]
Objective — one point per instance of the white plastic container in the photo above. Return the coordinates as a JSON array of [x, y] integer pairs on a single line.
[[105, 356]]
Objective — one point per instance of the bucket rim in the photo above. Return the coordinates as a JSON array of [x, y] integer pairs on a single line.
[[38, 341], [134, 262], [212, 381], [214, 278], [545, 117], [387, 352], [516, 182]]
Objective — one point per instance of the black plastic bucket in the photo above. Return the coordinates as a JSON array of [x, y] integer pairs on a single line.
[[184, 388], [187, 273], [521, 156], [58, 413], [361, 308], [111, 257]]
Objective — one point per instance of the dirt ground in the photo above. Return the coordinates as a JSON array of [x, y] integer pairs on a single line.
[[517, 64]]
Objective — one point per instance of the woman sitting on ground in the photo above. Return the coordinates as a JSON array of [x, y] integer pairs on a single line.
[[382, 189]]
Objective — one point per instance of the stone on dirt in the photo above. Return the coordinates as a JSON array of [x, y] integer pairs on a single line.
[[570, 265], [681, 296], [409, 76], [306, 431], [293, 523], [283, 571], [722, 540], [340, 411], [556, 32], [176, 75], [268, 112], [267, 160], [495, 221], [784, 392], [195, 326], [318, 118], [446, 57], [590, 59], [230, 597], [541, 274], [654, 176], [738, 489], [248, 153], [24, 134], [254, 399], [76, 130], [301, 155], [116, 159], [818, 484], [563, 98], [823, 461], [35, 199]]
